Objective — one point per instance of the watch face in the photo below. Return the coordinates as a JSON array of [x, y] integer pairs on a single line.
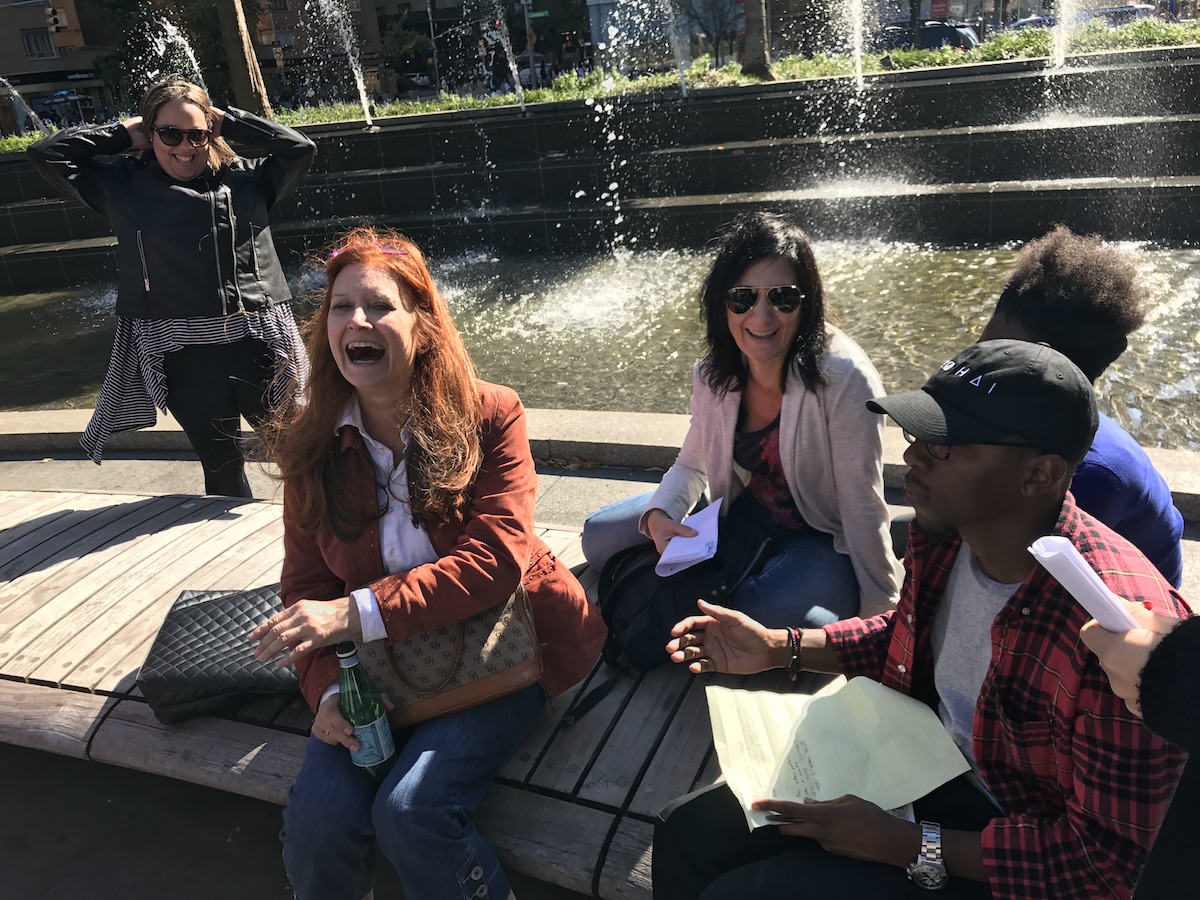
[[928, 876]]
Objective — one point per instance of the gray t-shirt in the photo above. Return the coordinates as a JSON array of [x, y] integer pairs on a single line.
[[962, 648]]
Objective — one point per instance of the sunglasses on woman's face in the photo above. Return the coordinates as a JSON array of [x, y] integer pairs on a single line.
[[785, 297], [173, 137]]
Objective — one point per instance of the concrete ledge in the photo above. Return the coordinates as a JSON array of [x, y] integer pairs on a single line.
[[621, 439]]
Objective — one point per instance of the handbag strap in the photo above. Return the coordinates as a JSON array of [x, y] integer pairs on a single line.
[[429, 692]]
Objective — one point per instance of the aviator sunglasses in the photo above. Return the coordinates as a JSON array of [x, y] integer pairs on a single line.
[[173, 137], [785, 297]]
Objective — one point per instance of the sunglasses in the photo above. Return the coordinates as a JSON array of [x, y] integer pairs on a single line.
[[941, 451], [785, 297], [173, 137]]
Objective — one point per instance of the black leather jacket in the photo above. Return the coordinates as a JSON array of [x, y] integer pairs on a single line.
[[186, 249]]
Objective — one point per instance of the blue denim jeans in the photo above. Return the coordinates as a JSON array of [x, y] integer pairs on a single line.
[[805, 582], [420, 815]]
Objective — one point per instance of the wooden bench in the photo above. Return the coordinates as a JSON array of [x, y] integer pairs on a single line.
[[86, 579]]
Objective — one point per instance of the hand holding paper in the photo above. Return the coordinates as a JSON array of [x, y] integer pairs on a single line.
[[682, 551]]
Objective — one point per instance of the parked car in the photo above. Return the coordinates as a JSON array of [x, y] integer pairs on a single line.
[[417, 79], [930, 36], [1113, 15]]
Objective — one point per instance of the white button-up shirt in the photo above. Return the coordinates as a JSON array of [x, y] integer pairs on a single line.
[[403, 544]]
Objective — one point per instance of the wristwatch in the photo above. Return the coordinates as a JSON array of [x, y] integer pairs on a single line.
[[927, 870]]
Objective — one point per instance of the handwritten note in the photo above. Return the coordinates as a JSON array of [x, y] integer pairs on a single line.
[[855, 737]]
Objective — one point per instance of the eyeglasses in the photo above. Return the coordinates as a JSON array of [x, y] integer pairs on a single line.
[[942, 451], [785, 297], [173, 137]]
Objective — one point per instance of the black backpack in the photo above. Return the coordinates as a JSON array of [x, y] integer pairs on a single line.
[[641, 607]]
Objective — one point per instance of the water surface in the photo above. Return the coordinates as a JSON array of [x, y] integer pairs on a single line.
[[622, 333]]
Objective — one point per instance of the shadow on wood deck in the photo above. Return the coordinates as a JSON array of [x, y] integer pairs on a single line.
[[86, 579]]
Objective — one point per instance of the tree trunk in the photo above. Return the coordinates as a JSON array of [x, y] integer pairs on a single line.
[[757, 61], [245, 78]]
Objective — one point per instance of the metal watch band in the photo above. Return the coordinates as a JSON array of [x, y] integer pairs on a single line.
[[931, 841]]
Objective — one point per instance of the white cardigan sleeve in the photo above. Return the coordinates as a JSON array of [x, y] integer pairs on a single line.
[[856, 456], [686, 480]]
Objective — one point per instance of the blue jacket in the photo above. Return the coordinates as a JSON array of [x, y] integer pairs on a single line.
[[1117, 484]]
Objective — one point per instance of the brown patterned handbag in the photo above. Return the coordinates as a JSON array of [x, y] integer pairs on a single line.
[[485, 656]]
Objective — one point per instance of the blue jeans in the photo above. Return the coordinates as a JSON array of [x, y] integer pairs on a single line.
[[420, 815], [805, 581]]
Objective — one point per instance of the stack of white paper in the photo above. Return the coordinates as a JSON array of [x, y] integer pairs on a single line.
[[682, 551]]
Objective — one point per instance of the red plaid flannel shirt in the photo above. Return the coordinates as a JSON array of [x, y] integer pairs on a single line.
[[1083, 784]]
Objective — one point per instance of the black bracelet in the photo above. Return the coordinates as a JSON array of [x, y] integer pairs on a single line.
[[794, 635]]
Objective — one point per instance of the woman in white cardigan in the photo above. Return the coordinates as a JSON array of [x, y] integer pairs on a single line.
[[781, 432]]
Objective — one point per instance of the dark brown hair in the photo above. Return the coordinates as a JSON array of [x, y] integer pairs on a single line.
[[748, 239], [445, 411]]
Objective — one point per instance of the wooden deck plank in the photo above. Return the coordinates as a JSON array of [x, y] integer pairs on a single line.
[[230, 756], [519, 766], [50, 526], [626, 872], [43, 514], [261, 568], [551, 840], [570, 753], [13, 503], [67, 621], [83, 538], [560, 540], [118, 624], [114, 667], [19, 514], [45, 718], [26, 614], [113, 541], [680, 757], [637, 732]]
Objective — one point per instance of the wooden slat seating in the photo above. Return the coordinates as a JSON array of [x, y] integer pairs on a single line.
[[88, 578]]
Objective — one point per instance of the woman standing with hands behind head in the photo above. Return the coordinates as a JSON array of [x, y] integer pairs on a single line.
[[409, 492], [781, 432], [204, 328]]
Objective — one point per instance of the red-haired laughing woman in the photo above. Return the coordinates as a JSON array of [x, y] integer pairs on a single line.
[[408, 505]]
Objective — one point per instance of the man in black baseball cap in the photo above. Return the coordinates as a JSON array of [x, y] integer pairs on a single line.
[[1001, 393], [1066, 789], [995, 408]]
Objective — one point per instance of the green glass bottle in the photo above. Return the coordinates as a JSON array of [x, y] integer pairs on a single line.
[[361, 706]]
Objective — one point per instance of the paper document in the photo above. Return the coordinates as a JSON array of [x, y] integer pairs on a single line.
[[682, 551], [855, 737], [1060, 558]]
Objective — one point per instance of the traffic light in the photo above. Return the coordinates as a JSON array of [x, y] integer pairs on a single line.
[[56, 19]]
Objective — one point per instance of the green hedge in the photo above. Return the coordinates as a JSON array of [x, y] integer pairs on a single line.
[[1025, 43]]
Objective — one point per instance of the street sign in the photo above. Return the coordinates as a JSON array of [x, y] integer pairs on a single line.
[[539, 14], [531, 37]]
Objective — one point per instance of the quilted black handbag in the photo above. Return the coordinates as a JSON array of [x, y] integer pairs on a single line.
[[201, 663]]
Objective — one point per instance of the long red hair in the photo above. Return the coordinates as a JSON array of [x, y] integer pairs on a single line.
[[443, 454]]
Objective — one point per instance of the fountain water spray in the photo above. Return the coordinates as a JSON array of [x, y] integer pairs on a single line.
[[19, 104], [1068, 18], [170, 36], [500, 34], [337, 17], [852, 17]]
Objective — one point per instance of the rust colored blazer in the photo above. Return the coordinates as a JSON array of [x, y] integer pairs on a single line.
[[480, 561]]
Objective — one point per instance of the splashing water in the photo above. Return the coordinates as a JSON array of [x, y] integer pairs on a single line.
[[1068, 18], [852, 17], [336, 17], [501, 32], [19, 104], [171, 37]]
